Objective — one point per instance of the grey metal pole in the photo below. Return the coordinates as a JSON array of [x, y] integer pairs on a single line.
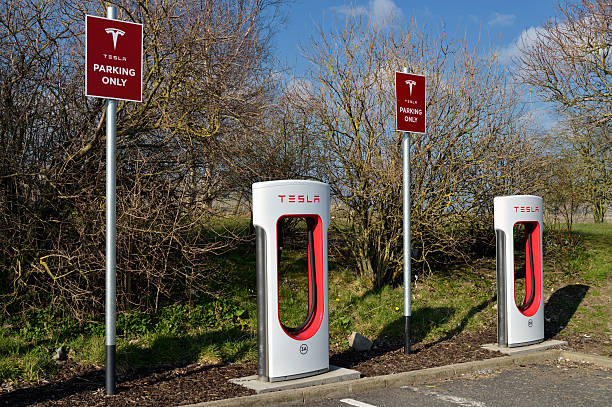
[[111, 231], [406, 230]]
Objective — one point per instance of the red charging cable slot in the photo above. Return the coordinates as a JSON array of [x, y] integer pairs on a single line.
[[533, 268], [316, 294]]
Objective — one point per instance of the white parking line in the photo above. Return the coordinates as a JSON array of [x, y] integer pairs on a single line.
[[356, 403], [447, 397]]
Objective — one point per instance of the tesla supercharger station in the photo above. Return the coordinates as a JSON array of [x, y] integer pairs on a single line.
[[286, 353], [519, 323]]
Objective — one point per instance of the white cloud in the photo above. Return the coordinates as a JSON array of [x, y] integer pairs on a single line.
[[504, 20], [299, 85], [350, 11], [541, 116], [381, 11], [526, 39], [472, 18], [384, 11]]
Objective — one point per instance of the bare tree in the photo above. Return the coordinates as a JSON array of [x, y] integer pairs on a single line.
[[568, 60], [282, 146], [475, 148], [206, 77], [564, 190], [586, 152]]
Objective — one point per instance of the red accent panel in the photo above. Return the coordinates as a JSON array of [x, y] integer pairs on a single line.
[[533, 228], [410, 106], [312, 328], [113, 62]]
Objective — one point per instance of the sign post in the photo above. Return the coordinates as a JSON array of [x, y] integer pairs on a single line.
[[113, 58], [410, 117], [110, 308], [113, 70]]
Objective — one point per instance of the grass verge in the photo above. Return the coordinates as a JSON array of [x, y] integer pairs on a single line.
[[578, 290]]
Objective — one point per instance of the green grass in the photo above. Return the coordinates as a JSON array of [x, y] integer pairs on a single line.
[[584, 274], [23, 359], [596, 256], [223, 328], [441, 306]]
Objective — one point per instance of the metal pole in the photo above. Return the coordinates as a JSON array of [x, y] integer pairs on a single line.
[[406, 229], [111, 284]]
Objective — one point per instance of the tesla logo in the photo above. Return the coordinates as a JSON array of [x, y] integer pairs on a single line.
[[115, 32], [530, 323], [526, 209], [303, 349], [410, 83], [299, 198]]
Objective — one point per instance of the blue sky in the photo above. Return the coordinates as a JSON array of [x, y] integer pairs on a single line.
[[500, 23]]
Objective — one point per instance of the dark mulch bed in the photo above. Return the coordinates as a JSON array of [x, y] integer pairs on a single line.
[[77, 385]]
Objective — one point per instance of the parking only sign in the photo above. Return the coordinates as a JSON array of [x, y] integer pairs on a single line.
[[410, 112], [113, 59]]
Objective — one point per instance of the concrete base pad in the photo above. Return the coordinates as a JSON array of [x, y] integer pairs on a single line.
[[524, 349], [335, 374]]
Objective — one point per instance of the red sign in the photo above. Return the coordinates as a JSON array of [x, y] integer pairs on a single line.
[[410, 98], [113, 59]]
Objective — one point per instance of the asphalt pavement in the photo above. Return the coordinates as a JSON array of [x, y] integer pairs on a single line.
[[545, 384]]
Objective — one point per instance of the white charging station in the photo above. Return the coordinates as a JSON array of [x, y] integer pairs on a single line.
[[519, 324], [286, 353]]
